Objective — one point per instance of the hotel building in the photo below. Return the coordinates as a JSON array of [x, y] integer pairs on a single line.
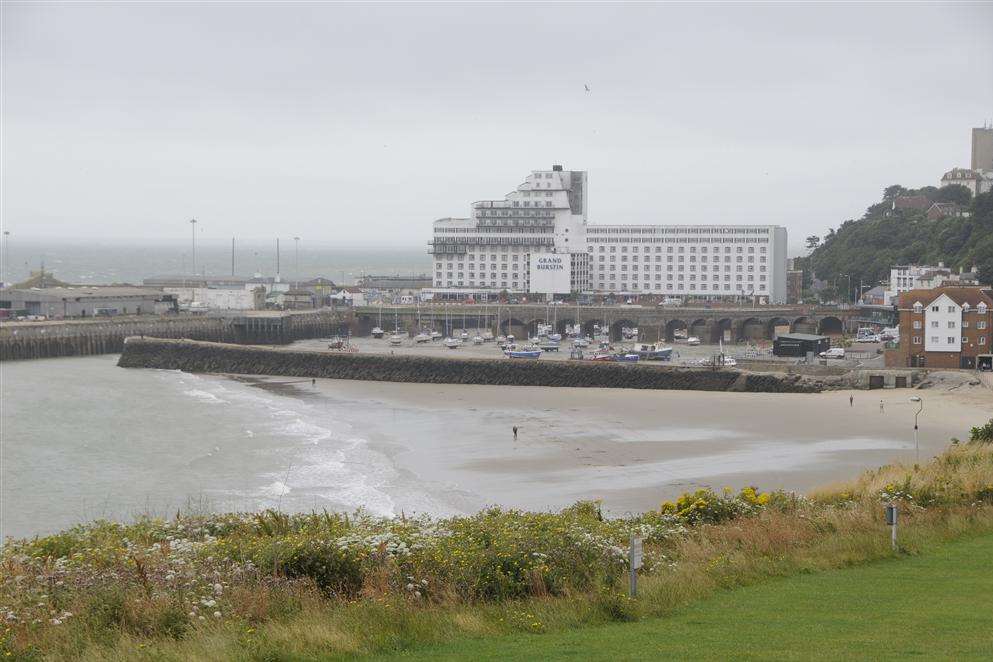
[[537, 241]]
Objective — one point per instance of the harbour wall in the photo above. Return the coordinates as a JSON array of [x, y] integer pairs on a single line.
[[207, 357], [37, 340]]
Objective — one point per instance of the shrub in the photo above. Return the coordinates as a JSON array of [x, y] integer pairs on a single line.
[[982, 434]]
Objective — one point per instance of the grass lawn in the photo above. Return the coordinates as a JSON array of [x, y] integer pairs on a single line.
[[938, 606]]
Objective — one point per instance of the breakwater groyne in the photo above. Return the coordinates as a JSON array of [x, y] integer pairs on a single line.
[[37, 340], [206, 357]]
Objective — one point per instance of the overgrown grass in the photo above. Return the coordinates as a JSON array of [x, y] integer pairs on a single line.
[[272, 586]]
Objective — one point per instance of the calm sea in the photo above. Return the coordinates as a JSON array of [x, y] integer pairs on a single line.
[[130, 263]]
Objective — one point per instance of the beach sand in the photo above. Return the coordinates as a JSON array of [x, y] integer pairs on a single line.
[[633, 448]]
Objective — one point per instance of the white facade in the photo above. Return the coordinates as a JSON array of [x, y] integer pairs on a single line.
[[498, 247], [906, 277], [689, 260], [977, 181], [218, 299], [491, 250], [943, 326]]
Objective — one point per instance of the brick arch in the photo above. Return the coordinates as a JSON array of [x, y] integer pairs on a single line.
[[773, 323], [804, 324], [672, 326]]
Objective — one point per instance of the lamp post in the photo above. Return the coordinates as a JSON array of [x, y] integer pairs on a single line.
[[193, 224], [920, 408], [296, 258]]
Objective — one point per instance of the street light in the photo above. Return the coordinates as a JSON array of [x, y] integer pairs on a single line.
[[193, 223], [920, 408]]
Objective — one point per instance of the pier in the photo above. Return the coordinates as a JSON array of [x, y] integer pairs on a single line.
[[38, 340]]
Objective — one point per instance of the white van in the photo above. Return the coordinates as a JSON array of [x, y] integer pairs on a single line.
[[833, 353]]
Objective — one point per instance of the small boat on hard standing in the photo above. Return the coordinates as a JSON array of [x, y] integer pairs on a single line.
[[648, 352], [580, 342], [548, 346], [477, 340], [422, 338], [452, 343], [435, 335], [487, 336], [526, 352], [377, 332], [625, 357], [396, 340], [464, 335]]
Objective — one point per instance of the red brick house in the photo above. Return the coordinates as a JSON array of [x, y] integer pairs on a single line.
[[947, 327]]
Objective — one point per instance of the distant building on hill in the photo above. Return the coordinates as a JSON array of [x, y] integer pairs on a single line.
[[947, 327], [982, 148], [914, 202], [977, 181], [907, 277], [945, 209]]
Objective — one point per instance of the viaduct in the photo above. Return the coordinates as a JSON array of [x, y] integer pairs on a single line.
[[654, 323]]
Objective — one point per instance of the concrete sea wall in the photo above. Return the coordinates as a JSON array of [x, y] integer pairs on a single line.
[[191, 356], [38, 340]]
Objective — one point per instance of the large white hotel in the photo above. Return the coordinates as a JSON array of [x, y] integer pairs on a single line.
[[537, 241]]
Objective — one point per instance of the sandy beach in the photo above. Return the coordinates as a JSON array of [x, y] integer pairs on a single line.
[[631, 448]]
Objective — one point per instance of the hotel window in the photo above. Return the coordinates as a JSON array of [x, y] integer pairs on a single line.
[[982, 340], [951, 325], [934, 309], [981, 324], [934, 324], [951, 340], [951, 309], [917, 340], [934, 339]]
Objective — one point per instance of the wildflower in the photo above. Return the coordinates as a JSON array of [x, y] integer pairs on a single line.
[[217, 614]]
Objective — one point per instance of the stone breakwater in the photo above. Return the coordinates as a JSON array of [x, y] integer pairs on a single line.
[[206, 357]]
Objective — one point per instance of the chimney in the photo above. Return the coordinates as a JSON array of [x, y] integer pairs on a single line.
[[556, 168]]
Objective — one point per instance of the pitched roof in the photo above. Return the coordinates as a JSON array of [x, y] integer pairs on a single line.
[[911, 202], [959, 294]]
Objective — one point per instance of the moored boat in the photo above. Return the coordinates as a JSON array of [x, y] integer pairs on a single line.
[[377, 332], [525, 353], [650, 352], [452, 343], [422, 338]]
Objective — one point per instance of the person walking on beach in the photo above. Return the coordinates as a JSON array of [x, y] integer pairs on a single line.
[[880, 406], [313, 382], [851, 401], [515, 433]]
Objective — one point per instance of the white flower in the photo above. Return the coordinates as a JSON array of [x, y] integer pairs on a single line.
[[217, 614]]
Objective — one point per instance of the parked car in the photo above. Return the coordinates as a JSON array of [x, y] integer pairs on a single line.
[[833, 353]]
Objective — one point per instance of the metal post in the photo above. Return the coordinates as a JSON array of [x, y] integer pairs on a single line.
[[193, 224]]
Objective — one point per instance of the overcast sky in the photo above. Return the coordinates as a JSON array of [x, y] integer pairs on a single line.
[[360, 124]]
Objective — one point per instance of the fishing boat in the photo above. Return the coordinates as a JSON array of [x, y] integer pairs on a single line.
[[422, 337], [653, 352], [452, 343], [625, 357], [396, 340]]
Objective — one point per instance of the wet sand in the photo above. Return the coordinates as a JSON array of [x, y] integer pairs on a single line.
[[632, 448]]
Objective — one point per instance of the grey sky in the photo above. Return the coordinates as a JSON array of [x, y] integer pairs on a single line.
[[358, 124]]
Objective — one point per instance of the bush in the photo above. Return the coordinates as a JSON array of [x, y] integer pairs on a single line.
[[982, 434]]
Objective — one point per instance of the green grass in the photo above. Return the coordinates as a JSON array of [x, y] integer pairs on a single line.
[[938, 606]]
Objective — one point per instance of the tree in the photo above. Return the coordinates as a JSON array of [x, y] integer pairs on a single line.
[[813, 241], [956, 193], [893, 191]]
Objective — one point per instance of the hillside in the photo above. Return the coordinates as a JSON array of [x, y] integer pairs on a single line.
[[866, 248]]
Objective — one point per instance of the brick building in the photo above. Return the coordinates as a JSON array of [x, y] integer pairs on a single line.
[[946, 327]]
